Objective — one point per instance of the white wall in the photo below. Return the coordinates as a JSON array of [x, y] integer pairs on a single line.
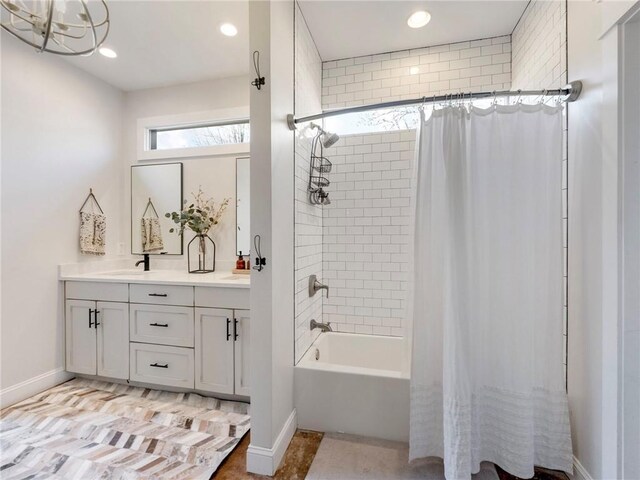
[[630, 260], [308, 218], [272, 208], [216, 175], [60, 136], [593, 242]]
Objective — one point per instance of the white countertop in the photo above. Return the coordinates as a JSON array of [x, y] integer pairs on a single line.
[[163, 277]]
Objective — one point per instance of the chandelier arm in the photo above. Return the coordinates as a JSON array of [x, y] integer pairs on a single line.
[[47, 32], [15, 14], [93, 27]]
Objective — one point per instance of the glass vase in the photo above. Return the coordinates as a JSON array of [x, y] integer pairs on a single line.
[[201, 254]]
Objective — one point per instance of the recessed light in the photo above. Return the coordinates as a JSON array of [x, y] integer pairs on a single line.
[[107, 52], [228, 29], [419, 19], [414, 70]]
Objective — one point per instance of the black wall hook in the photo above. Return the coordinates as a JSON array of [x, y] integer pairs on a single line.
[[260, 260], [259, 81]]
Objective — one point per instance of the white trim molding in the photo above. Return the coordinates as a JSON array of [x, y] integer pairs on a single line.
[[23, 390], [224, 115], [265, 461], [579, 472]]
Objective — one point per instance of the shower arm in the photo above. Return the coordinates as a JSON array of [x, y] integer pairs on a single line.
[[569, 93]]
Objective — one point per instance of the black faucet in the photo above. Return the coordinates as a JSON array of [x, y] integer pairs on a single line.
[[145, 260]]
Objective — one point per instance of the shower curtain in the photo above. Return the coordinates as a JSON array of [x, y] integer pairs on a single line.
[[487, 297]]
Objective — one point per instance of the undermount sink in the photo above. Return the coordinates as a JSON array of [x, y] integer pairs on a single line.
[[123, 273], [235, 277]]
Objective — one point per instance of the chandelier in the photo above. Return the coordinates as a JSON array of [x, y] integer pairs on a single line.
[[63, 27]]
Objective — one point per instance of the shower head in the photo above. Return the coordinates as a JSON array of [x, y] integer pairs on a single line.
[[327, 138]]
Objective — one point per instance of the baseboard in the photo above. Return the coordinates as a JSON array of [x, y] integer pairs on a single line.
[[265, 461], [20, 391], [579, 472]]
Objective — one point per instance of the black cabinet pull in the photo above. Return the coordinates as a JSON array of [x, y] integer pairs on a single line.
[[157, 294], [90, 313], [228, 333], [157, 365], [235, 329], [158, 324], [95, 318]]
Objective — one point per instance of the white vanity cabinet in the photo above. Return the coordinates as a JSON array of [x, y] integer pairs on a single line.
[[222, 350], [97, 332], [185, 336]]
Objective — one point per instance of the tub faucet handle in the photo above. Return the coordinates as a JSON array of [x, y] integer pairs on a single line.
[[315, 285]]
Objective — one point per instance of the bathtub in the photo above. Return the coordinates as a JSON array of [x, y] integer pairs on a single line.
[[357, 384]]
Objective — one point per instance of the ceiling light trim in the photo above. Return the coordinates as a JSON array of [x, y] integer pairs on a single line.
[[419, 19]]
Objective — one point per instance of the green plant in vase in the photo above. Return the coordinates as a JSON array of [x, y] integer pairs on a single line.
[[200, 217]]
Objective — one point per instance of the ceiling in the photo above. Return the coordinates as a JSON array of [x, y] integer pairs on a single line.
[[162, 43], [349, 28]]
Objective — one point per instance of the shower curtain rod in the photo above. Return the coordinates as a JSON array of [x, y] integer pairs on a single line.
[[570, 92]]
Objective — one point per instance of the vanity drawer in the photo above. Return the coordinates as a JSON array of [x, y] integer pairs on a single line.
[[162, 324], [219, 297], [163, 365], [161, 294], [105, 291]]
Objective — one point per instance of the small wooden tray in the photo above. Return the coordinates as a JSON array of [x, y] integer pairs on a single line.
[[241, 272]]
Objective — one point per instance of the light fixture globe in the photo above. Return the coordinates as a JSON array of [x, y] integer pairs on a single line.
[[63, 27]]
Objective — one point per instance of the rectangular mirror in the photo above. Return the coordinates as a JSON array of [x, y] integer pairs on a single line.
[[243, 216], [155, 191]]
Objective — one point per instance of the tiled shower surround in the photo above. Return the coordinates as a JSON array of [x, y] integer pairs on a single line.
[[358, 244], [365, 232]]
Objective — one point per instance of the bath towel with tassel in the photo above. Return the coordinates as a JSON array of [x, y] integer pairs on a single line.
[[92, 233], [151, 235]]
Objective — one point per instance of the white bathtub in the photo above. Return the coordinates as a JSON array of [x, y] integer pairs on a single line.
[[359, 384]]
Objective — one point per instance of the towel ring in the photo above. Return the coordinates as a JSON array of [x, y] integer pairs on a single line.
[[91, 196]]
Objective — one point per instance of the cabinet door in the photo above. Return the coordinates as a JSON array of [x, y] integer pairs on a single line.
[[80, 337], [242, 352], [113, 339], [214, 350]]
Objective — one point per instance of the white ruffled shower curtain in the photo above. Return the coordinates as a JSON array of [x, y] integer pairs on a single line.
[[487, 297]]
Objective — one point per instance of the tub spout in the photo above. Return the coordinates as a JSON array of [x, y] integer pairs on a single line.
[[324, 327]]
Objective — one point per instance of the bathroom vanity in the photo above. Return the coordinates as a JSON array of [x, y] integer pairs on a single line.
[[161, 328]]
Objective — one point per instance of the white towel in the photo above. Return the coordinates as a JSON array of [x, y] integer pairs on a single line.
[[92, 233], [151, 235]]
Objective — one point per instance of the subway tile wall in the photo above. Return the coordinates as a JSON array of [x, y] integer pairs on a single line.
[[366, 227], [308, 218], [366, 232], [539, 44], [477, 65]]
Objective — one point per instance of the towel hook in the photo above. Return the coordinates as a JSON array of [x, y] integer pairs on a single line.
[[91, 196]]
